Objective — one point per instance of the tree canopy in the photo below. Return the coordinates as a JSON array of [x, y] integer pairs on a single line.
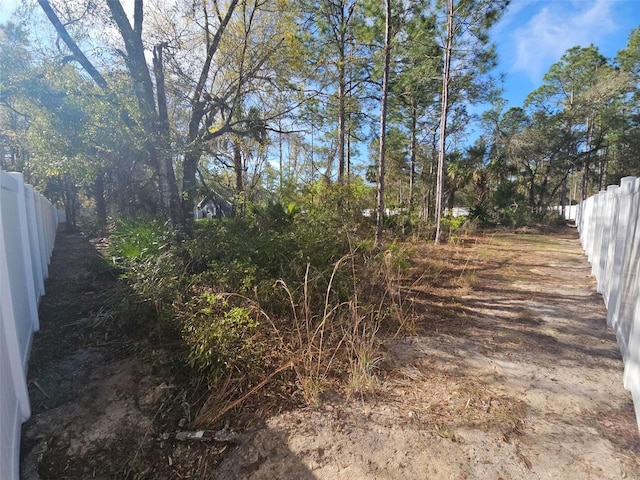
[[150, 111]]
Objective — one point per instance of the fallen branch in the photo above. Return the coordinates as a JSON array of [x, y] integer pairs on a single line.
[[34, 382], [224, 436]]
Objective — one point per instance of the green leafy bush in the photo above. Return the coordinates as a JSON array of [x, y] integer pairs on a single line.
[[307, 267], [219, 336], [132, 240], [143, 254]]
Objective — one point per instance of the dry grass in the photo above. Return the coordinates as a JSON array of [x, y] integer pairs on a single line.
[[313, 346], [329, 346], [365, 357], [439, 276], [445, 401], [336, 345]]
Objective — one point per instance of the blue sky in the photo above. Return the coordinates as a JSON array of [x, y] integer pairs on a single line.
[[533, 34], [6, 7]]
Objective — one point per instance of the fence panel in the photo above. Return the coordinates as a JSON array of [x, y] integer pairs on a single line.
[[27, 231], [609, 225], [34, 243]]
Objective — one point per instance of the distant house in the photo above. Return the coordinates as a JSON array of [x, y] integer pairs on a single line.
[[458, 212], [213, 206]]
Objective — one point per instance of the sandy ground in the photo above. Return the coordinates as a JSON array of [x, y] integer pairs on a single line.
[[510, 373]]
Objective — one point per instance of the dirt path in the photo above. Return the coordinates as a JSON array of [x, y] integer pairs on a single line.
[[511, 373]]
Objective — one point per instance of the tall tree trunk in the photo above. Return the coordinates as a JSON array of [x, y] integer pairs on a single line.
[[563, 196], [425, 204], [280, 186], [238, 167], [451, 198], [443, 117], [342, 92], [190, 167], [412, 154], [101, 201], [603, 169], [70, 202], [189, 188], [585, 181], [168, 184], [383, 124], [532, 193], [154, 122], [349, 156], [194, 152]]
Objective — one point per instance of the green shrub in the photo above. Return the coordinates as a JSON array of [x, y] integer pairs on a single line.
[[143, 254], [219, 336], [269, 243], [234, 269], [132, 240], [453, 228], [452, 224]]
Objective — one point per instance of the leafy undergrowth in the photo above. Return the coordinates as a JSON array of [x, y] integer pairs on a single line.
[[273, 308], [285, 305]]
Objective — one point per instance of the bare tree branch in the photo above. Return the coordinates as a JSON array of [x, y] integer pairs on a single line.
[[72, 45]]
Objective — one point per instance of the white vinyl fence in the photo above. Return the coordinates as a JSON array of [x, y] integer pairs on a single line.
[[609, 225], [28, 224], [570, 211]]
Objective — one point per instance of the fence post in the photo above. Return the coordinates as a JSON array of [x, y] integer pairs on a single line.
[[34, 244], [25, 251], [625, 231], [609, 230], [42, 236]]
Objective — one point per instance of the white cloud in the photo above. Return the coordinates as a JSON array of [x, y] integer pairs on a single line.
[[510, 15], [557, 27]]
